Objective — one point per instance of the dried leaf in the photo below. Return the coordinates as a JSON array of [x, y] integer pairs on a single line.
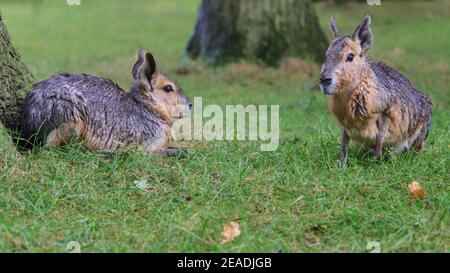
[[312, 239], [230, 231], [416, 191]]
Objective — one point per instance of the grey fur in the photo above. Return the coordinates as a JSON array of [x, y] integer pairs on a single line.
[[112, 117], [395, 88], [394, 92]]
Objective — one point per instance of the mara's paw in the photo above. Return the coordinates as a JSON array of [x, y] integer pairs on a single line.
[[174, 151]]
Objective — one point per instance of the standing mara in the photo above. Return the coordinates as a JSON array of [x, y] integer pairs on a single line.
[[375, 105]]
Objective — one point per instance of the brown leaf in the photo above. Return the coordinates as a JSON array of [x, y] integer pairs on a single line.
[[312, 239], [416, 191], [230, 231]]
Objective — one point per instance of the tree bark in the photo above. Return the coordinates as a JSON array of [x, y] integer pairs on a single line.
[[8, 153], [261, 30], [15, 81]]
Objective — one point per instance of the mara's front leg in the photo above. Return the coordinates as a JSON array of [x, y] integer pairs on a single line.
[[383, 126], [164, 151], [174, 151], [345, 139]]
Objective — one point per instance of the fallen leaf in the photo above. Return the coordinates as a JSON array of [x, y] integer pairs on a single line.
[[416, 191], [312, 239], [230, 231]]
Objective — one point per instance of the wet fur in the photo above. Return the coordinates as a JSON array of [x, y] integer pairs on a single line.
[[360, 110], [375, 104], [100, 113]]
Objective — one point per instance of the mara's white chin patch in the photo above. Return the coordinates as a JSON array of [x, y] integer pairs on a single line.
[[329, 90]]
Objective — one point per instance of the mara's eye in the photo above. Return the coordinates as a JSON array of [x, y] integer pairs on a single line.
[[168, 88], [350, 57]]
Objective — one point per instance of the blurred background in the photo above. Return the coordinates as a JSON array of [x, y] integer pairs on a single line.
[[101, 37]]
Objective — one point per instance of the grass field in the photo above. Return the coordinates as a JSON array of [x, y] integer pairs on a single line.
[[284, 201]]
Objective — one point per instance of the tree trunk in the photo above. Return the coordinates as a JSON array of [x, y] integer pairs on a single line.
[[15, 81], [261, 30], [8, 153]]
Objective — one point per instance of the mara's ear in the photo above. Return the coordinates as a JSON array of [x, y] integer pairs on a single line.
[[363, 34], [334, 28], [145, 69]]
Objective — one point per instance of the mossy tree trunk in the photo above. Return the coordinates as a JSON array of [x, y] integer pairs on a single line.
[[8, 153], [15, 83], [261, 30]]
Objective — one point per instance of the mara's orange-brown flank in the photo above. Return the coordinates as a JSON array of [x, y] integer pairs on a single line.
[[375, 105]]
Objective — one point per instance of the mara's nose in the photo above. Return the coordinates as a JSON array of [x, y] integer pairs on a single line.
[[190, 106], [325, 80]]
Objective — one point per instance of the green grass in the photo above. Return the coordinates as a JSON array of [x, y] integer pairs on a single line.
[[69, 194]]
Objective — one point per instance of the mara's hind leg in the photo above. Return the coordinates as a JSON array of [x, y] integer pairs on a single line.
[[419, 143], [64, 133], [383, 127]]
